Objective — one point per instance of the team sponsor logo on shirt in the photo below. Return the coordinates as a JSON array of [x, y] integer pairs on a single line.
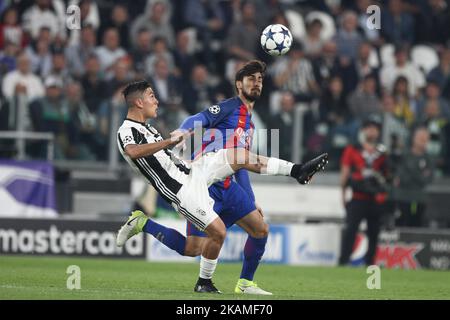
[[215, 109]]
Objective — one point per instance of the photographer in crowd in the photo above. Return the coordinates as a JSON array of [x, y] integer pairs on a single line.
[[364, 170]]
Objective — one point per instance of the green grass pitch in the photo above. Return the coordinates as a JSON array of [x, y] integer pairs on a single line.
[[45, 278]]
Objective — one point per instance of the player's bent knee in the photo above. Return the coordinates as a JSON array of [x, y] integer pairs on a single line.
[[220, 235], [193, 252], [261, 232], [217, 231]]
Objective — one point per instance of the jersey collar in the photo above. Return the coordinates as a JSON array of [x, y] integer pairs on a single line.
[[241, 103], [142, 123]]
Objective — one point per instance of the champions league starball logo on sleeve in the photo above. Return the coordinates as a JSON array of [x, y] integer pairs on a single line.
[[215, 109], [127, 139]]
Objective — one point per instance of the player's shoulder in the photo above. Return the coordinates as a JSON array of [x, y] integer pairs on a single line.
[[128, 124], [225, 106]]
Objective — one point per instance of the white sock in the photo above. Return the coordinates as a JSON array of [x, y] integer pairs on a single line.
[[207, 267], [278, 167]]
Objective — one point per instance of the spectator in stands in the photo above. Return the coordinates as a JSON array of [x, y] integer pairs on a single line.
[[284, 121], [43, 14], [364, 100], [157, 20], [164, 84], [39, 51], [441, 73], [414, 172], [22, 81], [327, 64], [208, 19], [433, 92], [159, 51], [395, 131], [51, 114], [405, 105], [294, 73], [183, 58], [335, 118], [433, 25], [398, 25], [94, 87], [141, 51], [362, 64], [118, 20], [198, 93], [77, 54], [333, 105], [59, 67], [122, 74], [402, 67], [10, 30], [364, 169], [347, 38], [313, 42], [243, 36], [84, 121], [110, 50], [8, 58], [439, 128]]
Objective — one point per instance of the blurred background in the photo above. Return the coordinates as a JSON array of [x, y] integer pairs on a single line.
[[61, 106]]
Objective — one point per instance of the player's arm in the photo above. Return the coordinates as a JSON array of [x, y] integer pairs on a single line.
[[197, 120], [136, 151], [208, 118]]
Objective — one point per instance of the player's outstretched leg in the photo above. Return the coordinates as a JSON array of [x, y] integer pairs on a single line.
[[303, 173], [240, 158], [139, 222], [133, 226]]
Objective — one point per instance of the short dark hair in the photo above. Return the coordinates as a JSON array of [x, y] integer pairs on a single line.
[[134, 87], [372, 120], [251, 67]]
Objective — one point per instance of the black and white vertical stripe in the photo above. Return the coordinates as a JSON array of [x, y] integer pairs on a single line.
[[164, 184]]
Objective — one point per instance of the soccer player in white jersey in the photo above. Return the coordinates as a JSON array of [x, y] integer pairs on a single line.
[[185, 185]]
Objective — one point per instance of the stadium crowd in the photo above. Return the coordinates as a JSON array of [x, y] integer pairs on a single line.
[[339, 70]]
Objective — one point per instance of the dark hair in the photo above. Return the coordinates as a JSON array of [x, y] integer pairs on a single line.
[[372, 120], [251, 67], [134, 87]]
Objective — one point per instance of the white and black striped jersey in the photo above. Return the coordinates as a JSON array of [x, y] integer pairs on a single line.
[[165, 171]]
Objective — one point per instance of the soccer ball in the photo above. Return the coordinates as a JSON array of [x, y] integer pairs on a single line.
[[276, 39]]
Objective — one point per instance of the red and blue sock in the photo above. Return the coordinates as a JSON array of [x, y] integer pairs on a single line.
[[253, 252], [169, 237]]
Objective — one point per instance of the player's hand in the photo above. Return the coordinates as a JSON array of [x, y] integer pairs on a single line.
[[258, 208], [178, 138]]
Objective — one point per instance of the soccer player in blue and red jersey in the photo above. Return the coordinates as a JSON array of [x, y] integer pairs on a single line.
[[230, 126]]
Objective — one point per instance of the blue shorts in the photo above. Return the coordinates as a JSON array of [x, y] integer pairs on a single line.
[[231, 205]]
